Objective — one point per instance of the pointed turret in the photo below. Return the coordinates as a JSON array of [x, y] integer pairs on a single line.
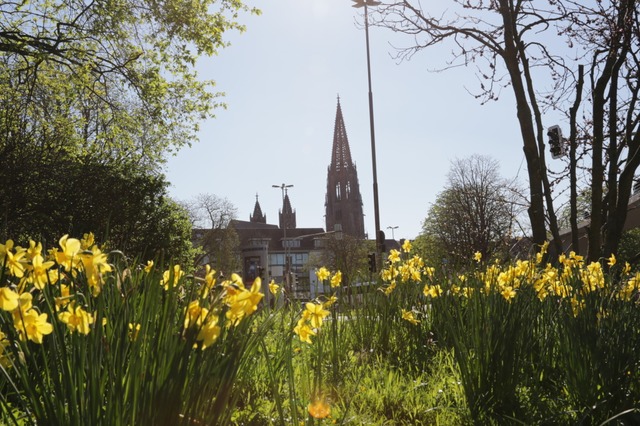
[[257, 216], [287, 214], [343, 201]]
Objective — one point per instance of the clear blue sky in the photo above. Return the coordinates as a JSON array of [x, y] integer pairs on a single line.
[[281, 78]]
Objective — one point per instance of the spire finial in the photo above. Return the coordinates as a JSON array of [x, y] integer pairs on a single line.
[[256, 197], [338, 98]]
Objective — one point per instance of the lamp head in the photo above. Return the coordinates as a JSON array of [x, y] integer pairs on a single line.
[[363, 3]]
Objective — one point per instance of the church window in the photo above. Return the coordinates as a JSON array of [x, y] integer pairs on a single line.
[[338, 194], [348, 189]]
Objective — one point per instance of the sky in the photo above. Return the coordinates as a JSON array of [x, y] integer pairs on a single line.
[[281, 79]]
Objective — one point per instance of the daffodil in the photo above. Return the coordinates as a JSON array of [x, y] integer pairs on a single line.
[[170, 278], [410, 317], [39, 276], [612, 260], [508, 293], [76, 319], [317, 314], [8, 299], [273, 287], [303, 331], [95, 265], [34, 250], [195, 314], [406, 246], [394, 256], [148, 267], [209, 332], [243, 302], [330, 301], [87, 241], [477, 256], [33, 326], [322, 274], [336, 279], [68, 257]]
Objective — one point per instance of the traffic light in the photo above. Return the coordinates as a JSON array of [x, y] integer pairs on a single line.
[[556, 142], [372, 262]]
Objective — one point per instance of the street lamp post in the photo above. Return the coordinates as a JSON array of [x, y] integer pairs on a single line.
[[393, 228], [284, 187], [376, 209]]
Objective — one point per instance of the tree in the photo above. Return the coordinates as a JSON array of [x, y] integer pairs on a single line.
[[512, 44], [126, 208], [110, 78], [220, 243], [475, 212]]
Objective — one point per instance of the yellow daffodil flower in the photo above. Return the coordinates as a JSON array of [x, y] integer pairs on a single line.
[[33, 326], [304, 332], [39, 276], [410, 317], [322, 274], [406, 246], [169, 279], [68, 257], [8, 299], [209, 332], [273, 287], [336, 279], [317, 313], [76, 319]]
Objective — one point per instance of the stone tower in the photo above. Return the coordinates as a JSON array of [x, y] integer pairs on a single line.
[[343, 201]]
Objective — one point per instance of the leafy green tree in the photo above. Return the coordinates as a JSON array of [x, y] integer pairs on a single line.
[[127, 209], [111, 78]]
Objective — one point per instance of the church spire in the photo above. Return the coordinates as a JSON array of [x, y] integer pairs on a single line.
[[257, 216], [343, 201], [341, 154], [287, 214]]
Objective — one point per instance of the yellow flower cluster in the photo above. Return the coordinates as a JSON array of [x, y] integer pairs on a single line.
[[572, 279], [403, 268], [324, 274], [239, 302], [26, 272], [311, 319]]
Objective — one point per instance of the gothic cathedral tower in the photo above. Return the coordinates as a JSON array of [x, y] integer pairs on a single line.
[[343, 202]]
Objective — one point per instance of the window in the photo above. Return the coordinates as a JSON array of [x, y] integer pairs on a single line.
[[348, 189], [338, 195], [276, 259]]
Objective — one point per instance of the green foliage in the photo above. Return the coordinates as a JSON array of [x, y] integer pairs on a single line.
[[50, 195], [114, 79]]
